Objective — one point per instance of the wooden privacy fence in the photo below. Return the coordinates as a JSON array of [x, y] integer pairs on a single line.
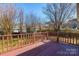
[[71, 38], [15, 41]]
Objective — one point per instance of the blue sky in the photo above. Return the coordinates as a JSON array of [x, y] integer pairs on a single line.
[[35, 8], [31, 8]]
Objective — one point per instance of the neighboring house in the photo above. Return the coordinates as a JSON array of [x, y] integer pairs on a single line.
[[50, 25], [41, 27], [16, 28], [72, 24]]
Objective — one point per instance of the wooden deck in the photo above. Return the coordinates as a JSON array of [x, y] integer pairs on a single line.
[[53, 49]]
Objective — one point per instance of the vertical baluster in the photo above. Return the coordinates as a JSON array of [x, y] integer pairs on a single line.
[[65, 39], [23, 39], [7, 41], [3, 44], [28, 38], [33, 37], [47, 35], [70, 39], [73, 39], [76, 40], [11, 42], [18, 41]]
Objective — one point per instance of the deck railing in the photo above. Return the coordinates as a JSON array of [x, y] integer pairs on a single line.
[[15, 41], [70, 38]]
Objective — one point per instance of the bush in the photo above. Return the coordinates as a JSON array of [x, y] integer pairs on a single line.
[[45, 30], [66, 30], [1, 33], [29, 30]]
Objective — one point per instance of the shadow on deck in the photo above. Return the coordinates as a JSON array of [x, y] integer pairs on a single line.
[[53, 49]]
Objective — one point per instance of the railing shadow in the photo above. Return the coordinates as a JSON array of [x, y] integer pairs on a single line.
[[37, 50]]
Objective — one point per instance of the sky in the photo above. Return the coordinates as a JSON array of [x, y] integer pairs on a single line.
[[35, 8], [29, 8]]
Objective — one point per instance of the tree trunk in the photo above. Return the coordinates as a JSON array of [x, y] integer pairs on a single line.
[[57, 36]]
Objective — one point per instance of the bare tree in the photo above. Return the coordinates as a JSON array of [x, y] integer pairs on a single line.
[[58, 14], [7, 19], [32, 21], [21, 19]]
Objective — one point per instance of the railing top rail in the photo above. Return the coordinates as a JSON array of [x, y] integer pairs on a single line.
[[36, 33]]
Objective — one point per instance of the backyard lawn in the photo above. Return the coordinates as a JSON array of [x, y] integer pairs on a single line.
[[12, 44]]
